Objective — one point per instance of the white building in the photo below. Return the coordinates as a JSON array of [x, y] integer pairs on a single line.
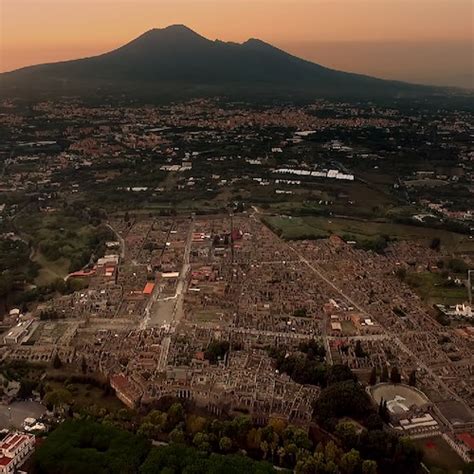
[[463, 310], [14, 450], [17, 333], [420, 426]]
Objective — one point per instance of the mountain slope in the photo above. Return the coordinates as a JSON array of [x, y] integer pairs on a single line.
[[178, 60]]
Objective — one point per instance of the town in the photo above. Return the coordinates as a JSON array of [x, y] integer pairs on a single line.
[[229, 258]]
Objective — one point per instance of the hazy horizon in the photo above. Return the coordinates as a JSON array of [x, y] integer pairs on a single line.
[[428, 42]]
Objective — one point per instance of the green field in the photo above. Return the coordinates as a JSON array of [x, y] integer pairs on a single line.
[[295, 228], [207, 316], [431, 287], [314, 227], [60, 242], [348, 199], [50, 271]]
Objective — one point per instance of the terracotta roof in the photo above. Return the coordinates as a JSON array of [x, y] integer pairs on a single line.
[[148, 290], [4, 461], [467, 439]]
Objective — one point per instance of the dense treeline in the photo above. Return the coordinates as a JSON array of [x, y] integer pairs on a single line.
[[82, 446], [178, 458], [307, 365], [76, 447]]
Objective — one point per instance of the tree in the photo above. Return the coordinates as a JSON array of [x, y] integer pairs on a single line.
[[347, 433], [274, 442], [58, 398], [350, 462], [359, 352], [412, 378], [277, 424], [291, 450], [254, 438], [295, 435], [281, 452], [401, 273], [341, 399], [57, 364], [147, 430], [308, 465], [407, 455], [395, 376], [373, 422], [383, 411], [201, 441], [373, 376], [240, 426], [340, 373], [457, 265], [225, 444], [264, 448], [79, 446], [83, 365], [195, 424], [216, 351], [331, 468], [331, 452], [177, 436], [175, 415], [384, 374], [183, 459], [369, 467], [300, 313], [26, 388], [435, 244]]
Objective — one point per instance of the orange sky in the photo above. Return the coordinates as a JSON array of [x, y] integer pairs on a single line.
[[36, 31]]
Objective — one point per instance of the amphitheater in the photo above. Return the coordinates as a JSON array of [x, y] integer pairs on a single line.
[[400, 398]]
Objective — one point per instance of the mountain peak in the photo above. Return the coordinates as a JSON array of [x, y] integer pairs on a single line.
[[169, 38], [255, 43], [173, 32], [178, 27]]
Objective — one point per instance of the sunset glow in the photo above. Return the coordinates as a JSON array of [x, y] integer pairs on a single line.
[[37, 31]]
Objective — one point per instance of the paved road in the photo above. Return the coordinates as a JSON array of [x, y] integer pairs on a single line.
[[258, 332], [155, 304], [163, 360], [183, 276], [15, 413], [371, 337]]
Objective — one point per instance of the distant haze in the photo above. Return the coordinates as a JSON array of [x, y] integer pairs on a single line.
[[440, 63], [425, 41]]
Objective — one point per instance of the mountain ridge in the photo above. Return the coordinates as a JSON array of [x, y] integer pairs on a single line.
[[177, 54]]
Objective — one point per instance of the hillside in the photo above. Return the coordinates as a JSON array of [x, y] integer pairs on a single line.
[[177, 61]]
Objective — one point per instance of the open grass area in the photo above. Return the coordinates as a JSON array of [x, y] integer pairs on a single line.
[[198, 206], [50, 271], [207, 316], [60, 242], [294, 228], [84, 395], [55, 225], [431, 287], [347, 199], [314, 227], [348, 328], [438, 454]]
